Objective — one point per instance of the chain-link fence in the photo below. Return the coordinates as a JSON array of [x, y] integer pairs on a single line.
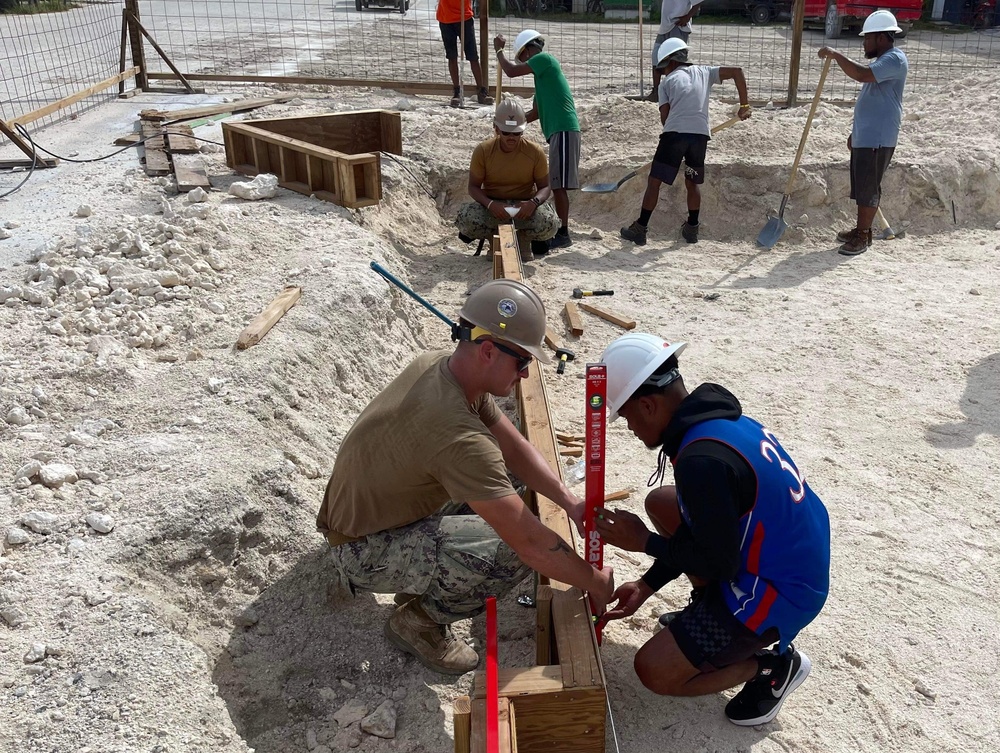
[[602, 45], [49, 56]]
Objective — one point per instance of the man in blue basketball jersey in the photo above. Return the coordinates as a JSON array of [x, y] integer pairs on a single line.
[[740, 521]]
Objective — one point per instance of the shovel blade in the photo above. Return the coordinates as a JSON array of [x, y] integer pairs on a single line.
[[609, 187], [772, 232]]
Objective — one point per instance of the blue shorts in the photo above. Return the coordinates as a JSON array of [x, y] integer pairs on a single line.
[[452, 33]]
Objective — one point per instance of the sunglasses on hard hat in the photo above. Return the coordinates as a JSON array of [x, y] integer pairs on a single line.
[[523, 362]]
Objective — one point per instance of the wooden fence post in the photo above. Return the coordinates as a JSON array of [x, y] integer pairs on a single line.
[[798, 15], [485, 43], [135, 37]]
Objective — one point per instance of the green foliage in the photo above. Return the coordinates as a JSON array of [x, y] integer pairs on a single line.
[[35, 6]]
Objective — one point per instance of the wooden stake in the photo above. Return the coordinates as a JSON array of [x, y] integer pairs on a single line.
[[573, 317], [276, 309], [615, 496]]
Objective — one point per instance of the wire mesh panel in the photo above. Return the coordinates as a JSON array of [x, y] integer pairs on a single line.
[[935, 57], [47, 56]]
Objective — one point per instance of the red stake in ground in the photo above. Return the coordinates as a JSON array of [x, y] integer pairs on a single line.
[[492, 679], [595, 422]]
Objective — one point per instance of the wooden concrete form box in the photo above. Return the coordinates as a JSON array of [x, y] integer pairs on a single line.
[[334, 157]]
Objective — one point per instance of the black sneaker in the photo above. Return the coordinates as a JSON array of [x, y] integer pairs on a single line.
[[561, 240], [539, 248], [690, 232], [760, 699]]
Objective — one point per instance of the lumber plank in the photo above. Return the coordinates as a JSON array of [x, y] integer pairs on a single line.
[[266, 319], [565, 436], [157, 162], [543, 625], [8, 164], [552, 339], [550, 717], [205, 111], [571, 452], [41, 112], [615, 496], [497, 258], [505, 741], [509, 254], [404, 87], [573, 318], [462, 718], [190, 172], [180, 140], [128, 139], [577, 655], [607, 316]]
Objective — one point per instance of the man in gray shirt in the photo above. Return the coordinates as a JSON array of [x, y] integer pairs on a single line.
[[683, 95], [878, 113]]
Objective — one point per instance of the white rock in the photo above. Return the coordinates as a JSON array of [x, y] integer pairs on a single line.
[[351, 712], [596, 234], [35, 653], [264, 186], [4, 234], [75, 547], [104, 346], [9, 293], [40, 521], [11, 224], [84, 210], [28, 470], [100, 522], [17, 536], [55, 475], [311, 741], [216, 307], [216, 385], [92, 599], [403, 105], [197, 195], [18, 416], [381, 722], [80, 439]]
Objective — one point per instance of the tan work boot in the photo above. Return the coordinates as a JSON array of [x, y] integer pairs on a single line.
[[411, 630]]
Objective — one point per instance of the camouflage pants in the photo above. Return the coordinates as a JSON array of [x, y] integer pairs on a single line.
[[454, 560], [475, 221]]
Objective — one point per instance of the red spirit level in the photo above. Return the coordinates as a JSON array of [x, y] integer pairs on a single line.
[[594, 426]]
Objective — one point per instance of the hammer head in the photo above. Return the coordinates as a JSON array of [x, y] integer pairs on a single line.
[[564, 355], [577, 293]]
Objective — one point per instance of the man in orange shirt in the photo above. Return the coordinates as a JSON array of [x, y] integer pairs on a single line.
[[449, 16]]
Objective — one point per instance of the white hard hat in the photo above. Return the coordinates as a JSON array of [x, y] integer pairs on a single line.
[[526, 36], [880, 20], [669, 48], [631, 360]]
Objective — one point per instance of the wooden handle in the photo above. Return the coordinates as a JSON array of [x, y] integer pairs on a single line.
[[723, 126], [496, 99], [805, 131]]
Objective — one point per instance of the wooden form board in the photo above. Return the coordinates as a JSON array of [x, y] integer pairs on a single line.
[[180, 140], [572, 312], [154, 149], [561, 703], [190, 172], [354, 132], [205, 111], [607, 315], [351, 180]]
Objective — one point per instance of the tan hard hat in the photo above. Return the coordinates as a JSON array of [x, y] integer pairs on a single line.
[[508, 310], [510, 116]]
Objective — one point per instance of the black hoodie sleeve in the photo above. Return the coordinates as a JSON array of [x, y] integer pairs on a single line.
[[717, 486]]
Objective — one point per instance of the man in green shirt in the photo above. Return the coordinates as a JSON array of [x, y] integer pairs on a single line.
[[555, 109]]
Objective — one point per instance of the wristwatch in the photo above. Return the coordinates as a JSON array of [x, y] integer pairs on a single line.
[[536, 200]]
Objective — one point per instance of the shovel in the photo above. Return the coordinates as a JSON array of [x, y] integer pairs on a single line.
[[612, 187], [776, 224], [887, 234]]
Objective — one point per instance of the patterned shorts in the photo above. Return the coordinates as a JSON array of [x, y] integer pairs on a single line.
[[710, 637], [455, 560], [475, 221]]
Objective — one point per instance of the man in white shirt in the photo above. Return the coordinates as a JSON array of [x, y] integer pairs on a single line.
[[683, 97], [675, 23]]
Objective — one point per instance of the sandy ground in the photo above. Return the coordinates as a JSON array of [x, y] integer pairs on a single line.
[[205, 618]]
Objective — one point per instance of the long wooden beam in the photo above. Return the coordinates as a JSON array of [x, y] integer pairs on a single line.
[[72, 99], [406, 87]]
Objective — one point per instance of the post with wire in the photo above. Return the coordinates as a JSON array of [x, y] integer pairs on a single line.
[[595, 424]]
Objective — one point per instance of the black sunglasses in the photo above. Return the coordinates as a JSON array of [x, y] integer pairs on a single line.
[[513, 133], [523, 362]]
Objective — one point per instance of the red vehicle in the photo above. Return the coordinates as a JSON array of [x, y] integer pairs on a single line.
[[837, 16]]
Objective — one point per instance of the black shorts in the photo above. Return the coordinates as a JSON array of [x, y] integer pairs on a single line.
[[868, 167], [451, 33], [711, 638], [674, 147]]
